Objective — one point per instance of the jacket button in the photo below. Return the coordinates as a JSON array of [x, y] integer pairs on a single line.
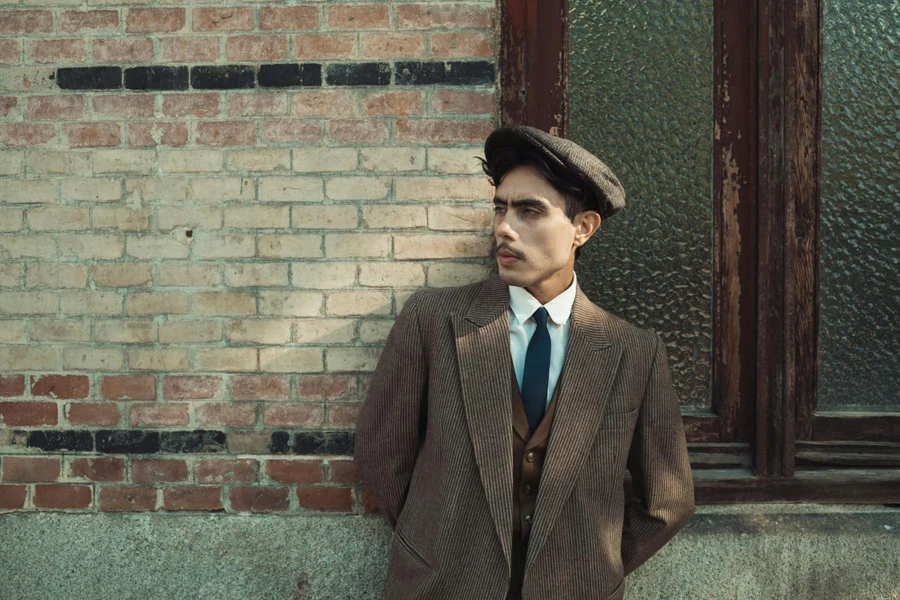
[[528, 519], [530, 456]]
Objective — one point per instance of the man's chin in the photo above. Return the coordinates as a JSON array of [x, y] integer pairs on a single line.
[[512, 277]]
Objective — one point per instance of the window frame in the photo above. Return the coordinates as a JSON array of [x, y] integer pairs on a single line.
[[763, 439]]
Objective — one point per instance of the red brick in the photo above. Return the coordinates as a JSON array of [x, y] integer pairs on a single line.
[[152, 470], [105, 468], [318, 387], [193, 498], [55, 108], [159, 415], [26, 135], [186, 49], [222, 19], [60, 495], [132, 106], [155, 20], [359, 16], [368, 503], [289, 18], [342, 471], [240, 470], [256, 499], [127, 498], [294, 471], [358, 131], [391, 45], [93, 413], [92, 135], [12, 496], [323, 46], [430, 131], [28, 414], [461, 44], [190, 105], [10, 52], [324, 103], [169, 134], [294, 130], [12, 385], [26, 21], [259, 387], [226, 133], [294, 415], [29, 469], [463, 102], [256, 47], [326, 498], [73, 21], [226, 415], [446, 16], [63, 387], [257, 104], [122, 50], [191, 387], [45, 51], [393, 104], [343, 414], [7, 103], [129, 387]]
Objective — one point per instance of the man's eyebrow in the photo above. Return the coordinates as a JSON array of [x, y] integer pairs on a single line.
[[534, 202]]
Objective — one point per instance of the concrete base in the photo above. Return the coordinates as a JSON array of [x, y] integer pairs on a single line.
[[745, 552]]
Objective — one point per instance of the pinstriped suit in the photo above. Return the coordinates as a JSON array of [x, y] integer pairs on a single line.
[[433, 445]]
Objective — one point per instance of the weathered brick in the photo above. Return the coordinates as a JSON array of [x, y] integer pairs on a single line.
[[226, 133], [357, 245], [290, 360], [153, 470], [32, 358], [154, 20], [93, 414], [62, 496], [343, 415], [28, 303], [326, 498], [56, 275], [90, 303], [258, 499], [393, 104], [193, 274], [256, 47], [12, 386], [344, 304], [158, 359], [418, 247], [57, 162], [92, 246], [320, 387], [129, 387], [342, 471], [122, 275], [30, 469], [187, 49], [324, 217], [257, 217], [217, 414], [290, 246], [107, 468], [122, 50], [352, 359], [12, 331], [324, 331], [241, 470], [321, 276], [116, 331], [294, 471], [223, 303], [256, 275], [325, 103], [259, 331], [358, 188], [324, 46], [193, 498], [461, 44], [359, 16], [190, 331], [375, 331], [156, 246], [392, 159], [222, 19], [76, 21], [358, 131], [60, 387], [294, 415], [226, 359], [441, 132], [194, 104], [259, 387], [456, 274], [445, 16], [191, 161], [84, 358], [12, 496], [232, 245], [297, 304], [159, 415], [266, 159], [127, 498], [156, 303], [191, 387], [390, 274]]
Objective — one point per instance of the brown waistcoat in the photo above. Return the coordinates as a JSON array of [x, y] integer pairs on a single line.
[[529, 451]]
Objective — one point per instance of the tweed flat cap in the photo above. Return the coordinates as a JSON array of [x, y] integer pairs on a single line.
[[610, 194]]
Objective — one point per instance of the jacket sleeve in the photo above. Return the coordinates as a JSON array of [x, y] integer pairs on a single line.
[[663, 488], [391, 423]]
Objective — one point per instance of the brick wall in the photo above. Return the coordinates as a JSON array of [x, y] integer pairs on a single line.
[[209, 216]]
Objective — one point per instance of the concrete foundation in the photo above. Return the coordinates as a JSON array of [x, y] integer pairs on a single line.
[[745, 552]]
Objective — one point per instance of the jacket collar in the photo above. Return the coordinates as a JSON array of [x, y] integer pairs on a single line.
[[483, 356]]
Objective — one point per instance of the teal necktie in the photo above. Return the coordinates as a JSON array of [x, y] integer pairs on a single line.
[[537, 371]]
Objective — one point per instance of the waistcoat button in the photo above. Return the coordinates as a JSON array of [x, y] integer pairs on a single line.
[[528, 519], [530, 456]]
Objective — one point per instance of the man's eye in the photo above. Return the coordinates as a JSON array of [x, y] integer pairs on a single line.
[[530, 211], [499, 209]]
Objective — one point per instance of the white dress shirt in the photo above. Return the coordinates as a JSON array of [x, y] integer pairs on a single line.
[[522, 326]]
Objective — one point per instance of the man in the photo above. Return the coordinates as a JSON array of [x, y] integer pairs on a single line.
[[503, 415]]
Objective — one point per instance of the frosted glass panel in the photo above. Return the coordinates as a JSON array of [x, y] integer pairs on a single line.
[[641, 98], [859, 341]]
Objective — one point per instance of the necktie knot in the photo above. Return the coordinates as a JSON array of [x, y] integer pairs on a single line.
[[540, 317]]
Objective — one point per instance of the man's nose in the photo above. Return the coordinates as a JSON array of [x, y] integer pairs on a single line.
[[502, 228]]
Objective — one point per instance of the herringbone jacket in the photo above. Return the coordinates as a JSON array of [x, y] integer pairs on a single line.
[[434, 446]]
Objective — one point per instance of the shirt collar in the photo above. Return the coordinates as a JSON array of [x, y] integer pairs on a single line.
[[523, 304]]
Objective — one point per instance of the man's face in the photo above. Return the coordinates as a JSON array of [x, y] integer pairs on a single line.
[[533, 237]]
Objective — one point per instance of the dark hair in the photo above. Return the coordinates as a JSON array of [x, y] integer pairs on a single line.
[[572, 185]]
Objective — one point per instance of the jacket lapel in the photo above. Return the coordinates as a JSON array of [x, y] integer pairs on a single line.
[[483, 355], [589, 369]]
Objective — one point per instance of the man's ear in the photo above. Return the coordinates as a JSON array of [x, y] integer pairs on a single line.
[[586, 224]]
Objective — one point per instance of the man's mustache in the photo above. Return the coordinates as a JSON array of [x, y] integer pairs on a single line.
[[495, 248]]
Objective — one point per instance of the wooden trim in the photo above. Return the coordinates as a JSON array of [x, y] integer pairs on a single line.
[[825, 485], [860, 427], [534, 62], [734, 229], [849, 454]]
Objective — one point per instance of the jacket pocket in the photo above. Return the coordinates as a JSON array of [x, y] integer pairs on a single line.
[[410, 548], [617, 420], [617, 593]]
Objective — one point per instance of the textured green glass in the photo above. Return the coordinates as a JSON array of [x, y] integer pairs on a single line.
[[641, 98], [859, 341]]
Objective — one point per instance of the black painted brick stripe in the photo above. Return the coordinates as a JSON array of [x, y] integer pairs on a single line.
[[356, 74], [156, 78], [89, 78], [223, 77], [444, 73], [199, 441], [290, 75]]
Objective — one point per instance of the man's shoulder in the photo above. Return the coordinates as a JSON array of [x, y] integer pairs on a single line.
[[444, 300], [622, 331]]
